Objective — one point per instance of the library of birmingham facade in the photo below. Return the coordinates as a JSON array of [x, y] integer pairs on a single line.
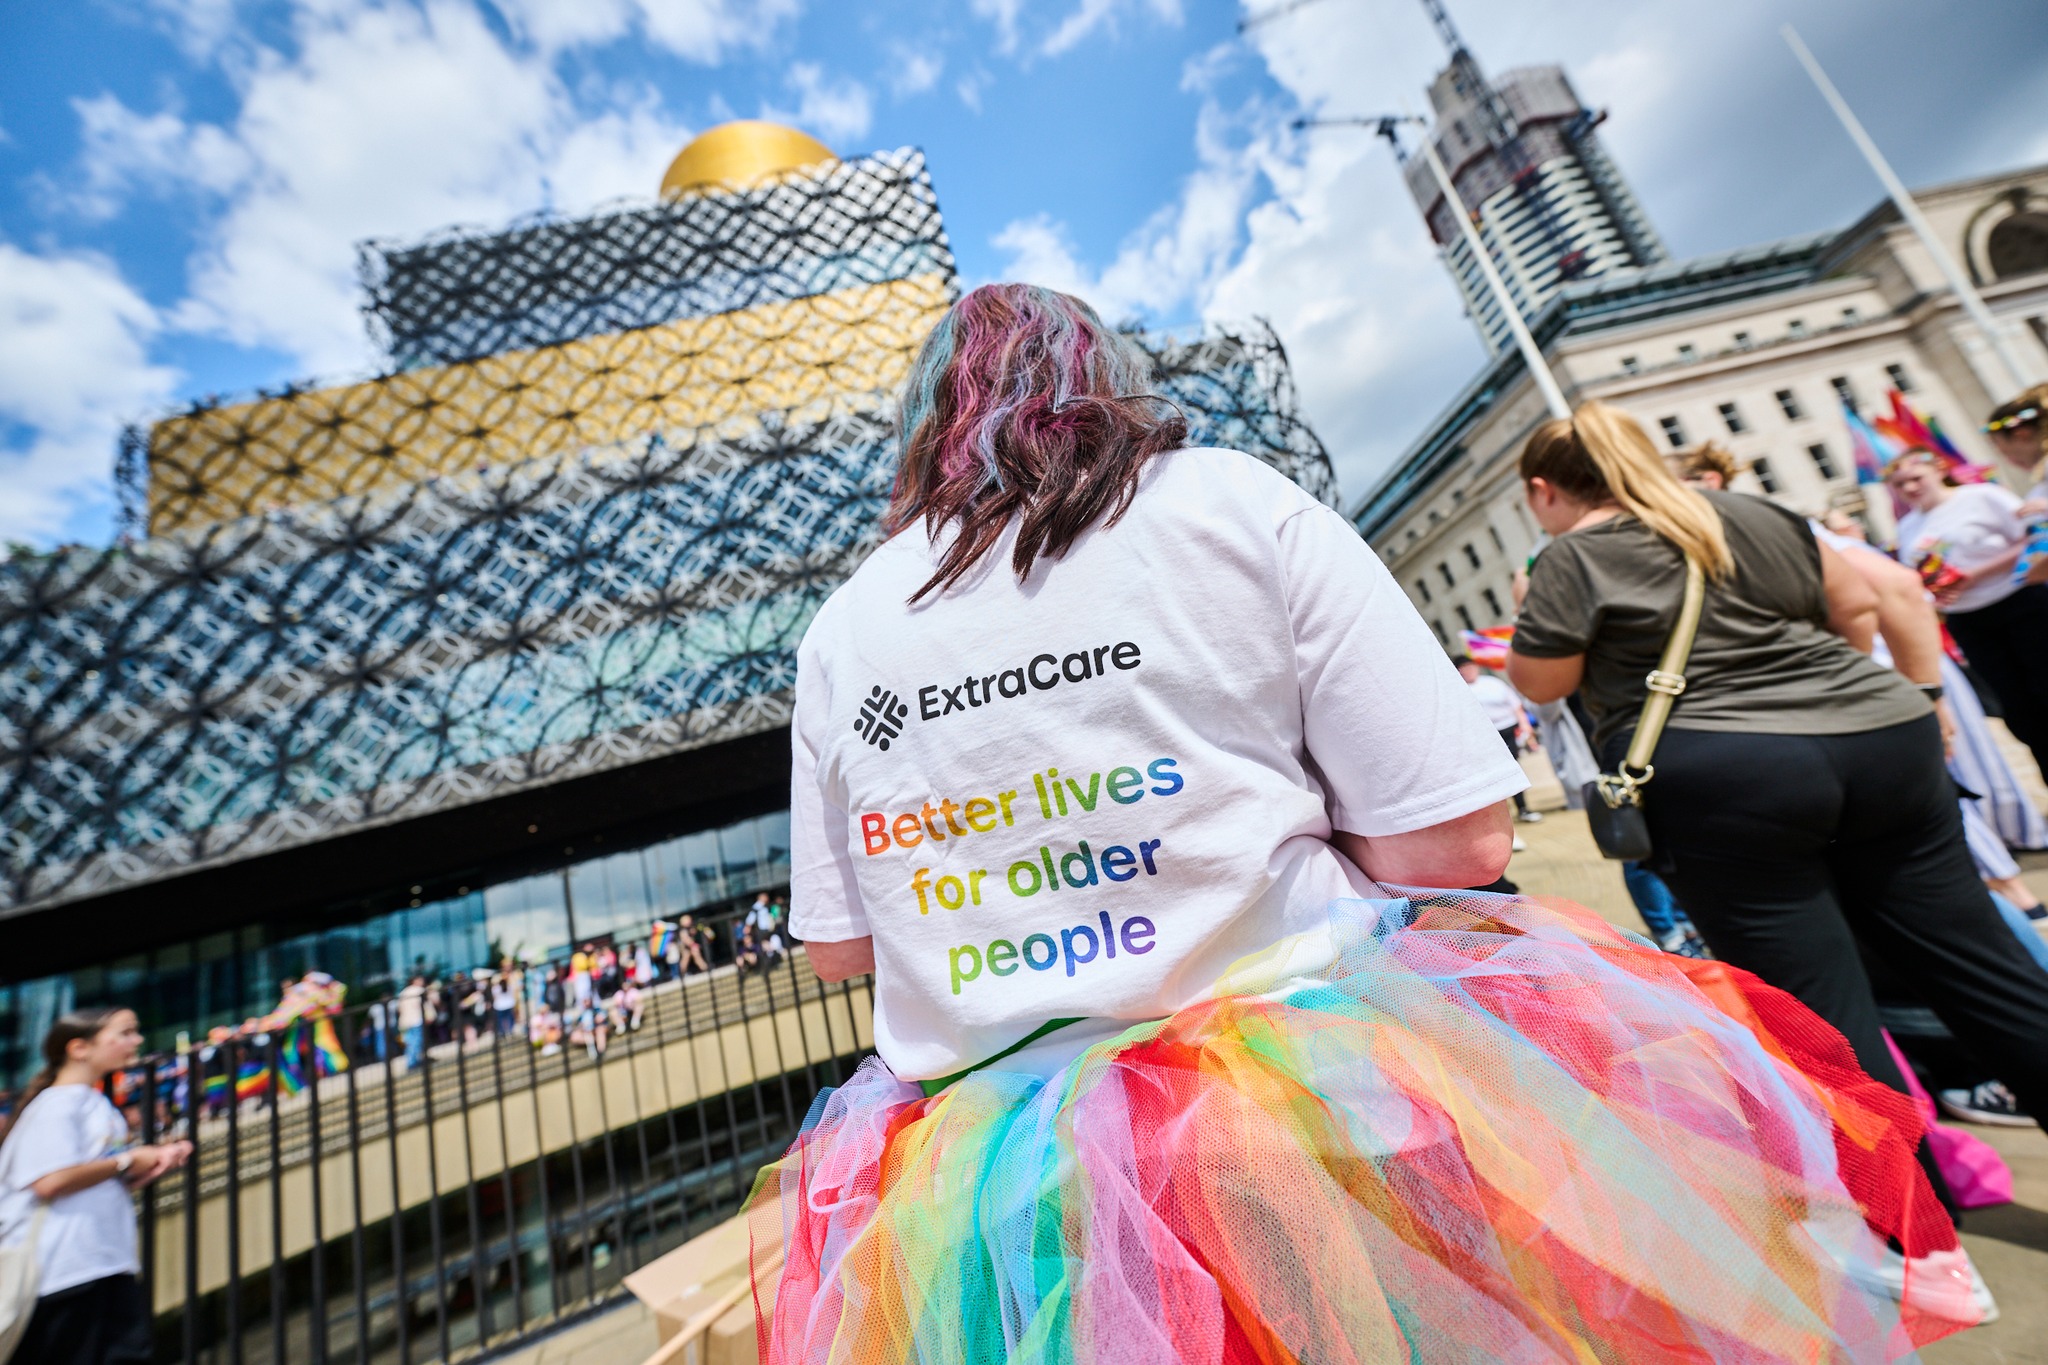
[[492, 652]]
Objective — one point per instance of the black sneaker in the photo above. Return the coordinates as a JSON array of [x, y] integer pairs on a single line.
[[1988, 1103], [2037, 913]]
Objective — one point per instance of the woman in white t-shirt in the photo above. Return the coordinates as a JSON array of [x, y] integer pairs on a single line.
[[1101, 764], [2000, 618], [69, 1159]]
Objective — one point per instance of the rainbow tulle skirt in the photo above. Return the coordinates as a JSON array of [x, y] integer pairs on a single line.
[[1493, 1130]]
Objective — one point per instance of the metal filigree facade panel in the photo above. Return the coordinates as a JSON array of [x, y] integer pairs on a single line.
[[282, 678], [849, 223], [214, 464], [1238, 392]]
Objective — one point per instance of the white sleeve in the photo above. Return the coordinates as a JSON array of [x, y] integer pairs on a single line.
[[824, 897], [50, 1136], [1399, 739]]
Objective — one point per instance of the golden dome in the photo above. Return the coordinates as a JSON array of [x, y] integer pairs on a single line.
[[744, 152]]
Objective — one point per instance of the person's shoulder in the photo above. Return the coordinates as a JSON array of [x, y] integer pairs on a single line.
[[1991, 494], [1218, 478]]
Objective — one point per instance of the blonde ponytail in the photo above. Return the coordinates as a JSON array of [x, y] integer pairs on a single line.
[[1602, 454]]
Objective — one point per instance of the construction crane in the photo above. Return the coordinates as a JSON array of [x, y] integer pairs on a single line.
[[1502, 131]]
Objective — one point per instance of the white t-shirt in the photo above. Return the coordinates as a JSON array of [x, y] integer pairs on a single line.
[[1502, 707], [1978, 523], [1087, 795], [87, 1235]]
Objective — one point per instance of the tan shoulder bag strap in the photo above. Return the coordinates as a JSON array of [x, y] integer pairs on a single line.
[[1665, 682]]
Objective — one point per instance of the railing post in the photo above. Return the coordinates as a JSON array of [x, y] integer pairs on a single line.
[[540, 1171], [479, 1263], [191, 1225], [505, 1176], [401, 1309], [316, 1313], [434, 1200], [277, 1304], [668, 1111], [231, 1051], [350, 1046]]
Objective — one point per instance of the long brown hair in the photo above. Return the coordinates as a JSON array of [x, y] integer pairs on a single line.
[[1601, 454], [1023, 404], [71, 1027]]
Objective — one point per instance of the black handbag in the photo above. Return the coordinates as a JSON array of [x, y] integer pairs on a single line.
[[1614, 801]]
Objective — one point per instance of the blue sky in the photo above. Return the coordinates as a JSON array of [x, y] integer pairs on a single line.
[[182, 181]]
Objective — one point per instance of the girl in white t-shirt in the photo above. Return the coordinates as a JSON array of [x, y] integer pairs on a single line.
[[1101, 764], [1997, 615], [68, 1158]]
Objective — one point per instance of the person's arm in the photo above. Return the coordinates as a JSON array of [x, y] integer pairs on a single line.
[[1905, 617], [144, 1165], [1852, 601], [1999, 568], [1906, 620], [1470, 850], [1545, 680], [835, 962], [1555, 614]]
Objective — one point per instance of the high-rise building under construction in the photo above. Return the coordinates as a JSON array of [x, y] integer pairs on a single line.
[[1525, 154]]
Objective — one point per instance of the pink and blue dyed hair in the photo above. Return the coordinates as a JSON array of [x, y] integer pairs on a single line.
[[1023, 405]]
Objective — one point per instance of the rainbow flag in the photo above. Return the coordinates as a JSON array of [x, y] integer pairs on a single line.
[[1873, 449], [658, 942], [328, 1056], [1489, 647], [1908, 428], [252, 1079]]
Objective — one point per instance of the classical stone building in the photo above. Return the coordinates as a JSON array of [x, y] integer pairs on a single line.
[[1758, 349]]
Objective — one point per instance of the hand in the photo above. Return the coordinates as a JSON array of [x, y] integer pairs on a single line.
[[1946, 595], [1518, 589], [147, 1163]]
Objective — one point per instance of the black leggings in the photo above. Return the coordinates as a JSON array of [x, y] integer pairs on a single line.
[[1786, 849], [102, 1322], [2007, 645]]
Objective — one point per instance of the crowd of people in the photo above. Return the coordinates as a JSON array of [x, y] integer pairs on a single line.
[[583, 999]]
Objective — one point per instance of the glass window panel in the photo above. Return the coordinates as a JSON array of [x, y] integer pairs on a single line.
[[589, 899], [528, 918], [700, 866]]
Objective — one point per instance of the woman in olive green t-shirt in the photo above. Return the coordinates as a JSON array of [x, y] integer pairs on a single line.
[[1800, 800]]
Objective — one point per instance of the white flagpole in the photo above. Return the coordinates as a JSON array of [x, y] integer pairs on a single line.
[[1910, 211], [1539, 369]]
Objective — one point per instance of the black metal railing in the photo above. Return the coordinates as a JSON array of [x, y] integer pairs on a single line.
[[349, 1207]]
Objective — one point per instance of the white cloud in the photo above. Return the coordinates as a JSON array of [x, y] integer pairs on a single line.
[[1003, 13], [125, 151], [970, 87], [74, 367], [1174, 259], [915, 72], [463, 129], [1091, 15], [699, 30], [839, 111], [199, 27]]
